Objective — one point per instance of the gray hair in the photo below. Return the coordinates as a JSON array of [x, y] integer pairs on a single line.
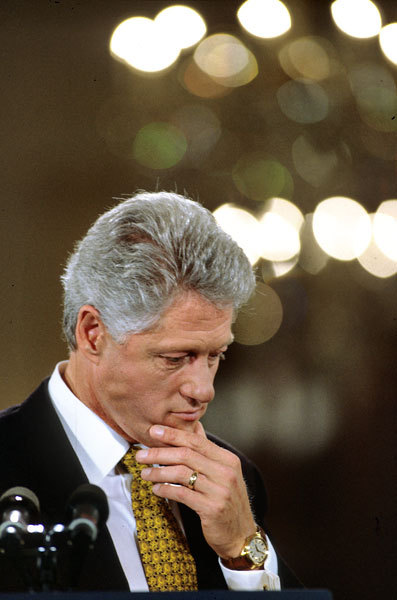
[[137, 257]]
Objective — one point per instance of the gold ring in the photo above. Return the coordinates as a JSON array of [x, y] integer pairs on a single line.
[[192, 480]]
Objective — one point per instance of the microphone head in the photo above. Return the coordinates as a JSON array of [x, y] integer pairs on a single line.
[[92, 495], [22, 497]]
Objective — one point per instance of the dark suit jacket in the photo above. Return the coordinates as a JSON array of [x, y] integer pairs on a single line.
[[35, 453]]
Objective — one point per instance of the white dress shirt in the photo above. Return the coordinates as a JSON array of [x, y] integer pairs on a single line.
[[99, 449]]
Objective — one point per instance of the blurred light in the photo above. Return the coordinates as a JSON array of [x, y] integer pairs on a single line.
[[313, 165], [144, 45], [280, 239], [388, 41], [306, 57], [385, 228], [342, 227], [201, 128], [287, 210], [357, 18], [159, 145], [312, 257], [261, 317], [375, 91], [264, 18], [183, 24], [258, 177], [378, 107], [370, 74], [301, 418], [242, 227], [153, 45], [199, 83], [303, 101], [270, 270], [227, 60], [373, 259]]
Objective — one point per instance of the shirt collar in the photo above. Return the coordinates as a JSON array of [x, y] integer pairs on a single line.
[[98, 447]]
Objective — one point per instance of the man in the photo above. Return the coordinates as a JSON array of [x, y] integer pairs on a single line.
[[150, 296]]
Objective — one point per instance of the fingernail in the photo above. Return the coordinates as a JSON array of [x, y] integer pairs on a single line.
[[157, 430], [145, 473], [141, 454], [156, 487]]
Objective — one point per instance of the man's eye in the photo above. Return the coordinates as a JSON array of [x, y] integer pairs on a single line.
[[220, 356], [173, 360]]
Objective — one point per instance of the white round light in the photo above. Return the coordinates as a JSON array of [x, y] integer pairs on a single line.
[[342, 227]]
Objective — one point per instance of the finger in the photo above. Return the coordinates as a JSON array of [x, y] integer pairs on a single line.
[[175, 456], [196, 441], [219, 474], [199, 429], [176, 475], [180, 493]]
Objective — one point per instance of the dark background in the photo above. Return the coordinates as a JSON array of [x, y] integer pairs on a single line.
[[315, 405]]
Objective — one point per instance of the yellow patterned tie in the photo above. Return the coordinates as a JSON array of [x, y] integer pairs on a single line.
[[166, 558]]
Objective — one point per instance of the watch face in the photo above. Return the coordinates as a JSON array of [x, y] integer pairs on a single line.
[[258, 550]]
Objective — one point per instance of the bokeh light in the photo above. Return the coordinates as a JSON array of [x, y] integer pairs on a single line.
[[306, 57], [378, 107], [287, 210], [280, 224], [154, 45], [226, 59], [272, 269], [388, 41], [373, 260], [303, 101], [314, 165], [385, 228], [243, 227], [357, 18], [342, 227], [183, 24], [301, 419], [261, 317], [259, 177], [144, 45], [280, 239], [312, 257], [159, 145], [264, 18], [199, 83], [201, 128]]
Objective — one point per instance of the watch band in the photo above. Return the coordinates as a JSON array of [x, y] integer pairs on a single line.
[[243, 562]]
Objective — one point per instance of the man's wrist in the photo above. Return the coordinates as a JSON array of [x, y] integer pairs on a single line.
[[252, 555]]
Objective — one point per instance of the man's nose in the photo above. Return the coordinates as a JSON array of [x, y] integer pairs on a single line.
[[198, 384]]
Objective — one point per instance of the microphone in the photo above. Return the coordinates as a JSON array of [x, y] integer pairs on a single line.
[[18, 507], [87, 510]]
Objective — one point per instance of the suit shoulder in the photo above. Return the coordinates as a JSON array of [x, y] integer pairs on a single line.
[[13, 413], [17, 421], [223, 444]]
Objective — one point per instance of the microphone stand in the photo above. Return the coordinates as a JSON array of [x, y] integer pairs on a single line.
[[47, 558]]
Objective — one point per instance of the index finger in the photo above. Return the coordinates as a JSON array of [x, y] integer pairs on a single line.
[[196, 440]]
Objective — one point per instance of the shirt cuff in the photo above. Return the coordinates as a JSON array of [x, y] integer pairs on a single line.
[[250, 581], [257, 579]]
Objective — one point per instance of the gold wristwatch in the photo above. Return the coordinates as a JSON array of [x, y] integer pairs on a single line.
[[253, 554]]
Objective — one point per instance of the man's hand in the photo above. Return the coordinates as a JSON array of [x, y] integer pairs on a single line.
[[219, 496]]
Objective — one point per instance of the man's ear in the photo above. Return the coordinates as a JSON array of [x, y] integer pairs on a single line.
[[90, 332]]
